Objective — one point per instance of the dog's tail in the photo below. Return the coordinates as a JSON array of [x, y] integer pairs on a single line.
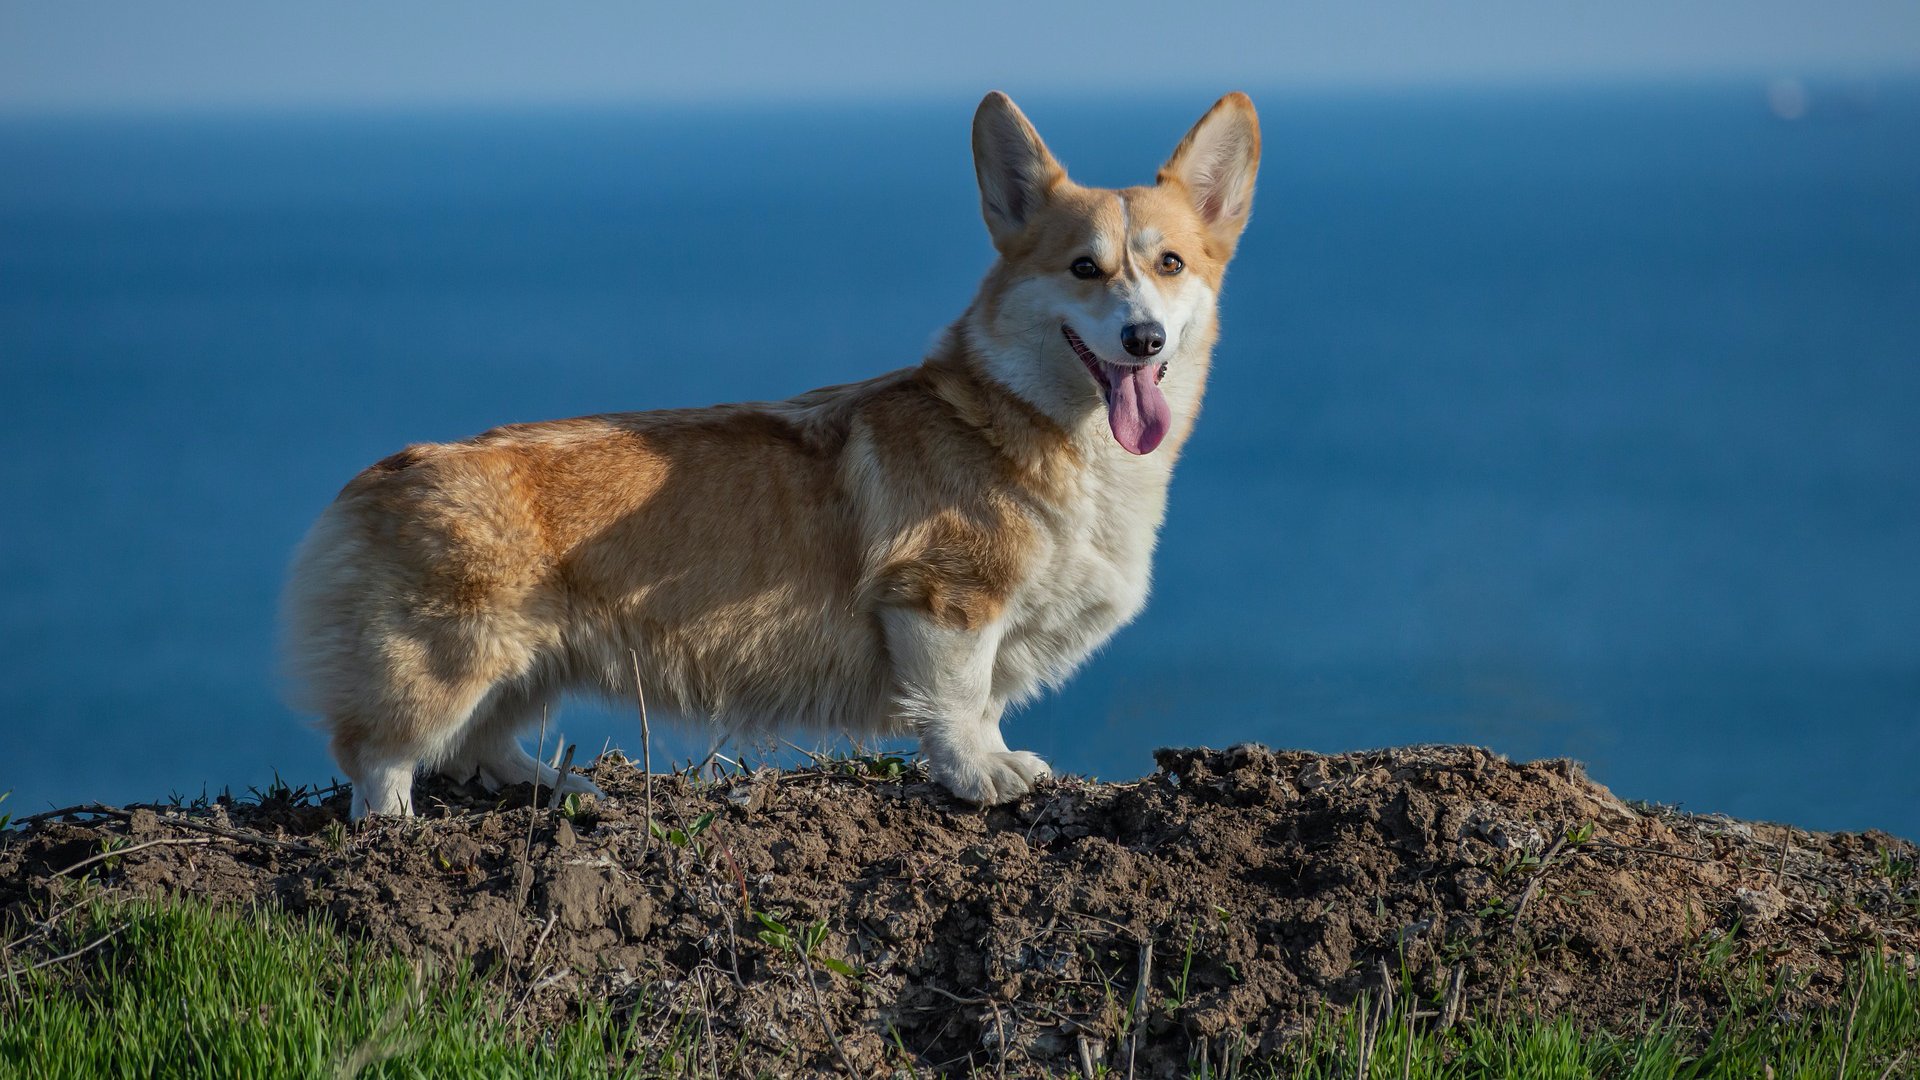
[[319, 624]]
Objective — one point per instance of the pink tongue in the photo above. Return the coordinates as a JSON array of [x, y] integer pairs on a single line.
[[1137, 410]]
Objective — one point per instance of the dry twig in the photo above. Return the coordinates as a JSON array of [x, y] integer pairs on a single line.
[[246, 835], [646, 749], [1533, 883], [170, 817], [1143, 982], [82, 808], [541, 940], [1846, 1044], [559, 778], [81, 951], [382, 1044], [1456, 987], [170, 842], [806, 970], [533, 801]]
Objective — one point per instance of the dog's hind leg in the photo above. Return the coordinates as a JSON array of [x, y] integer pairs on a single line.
[[399, 721], [489, 749], [382, 779], [398, 717], [380, 753]]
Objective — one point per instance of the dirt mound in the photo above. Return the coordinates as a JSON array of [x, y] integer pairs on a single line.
[[1220, 901]]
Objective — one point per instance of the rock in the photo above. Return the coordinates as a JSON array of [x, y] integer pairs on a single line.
[[578, 896], [1759, 906], [458, 852]]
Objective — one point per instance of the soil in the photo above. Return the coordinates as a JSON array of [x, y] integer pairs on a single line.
[[1249, 890]]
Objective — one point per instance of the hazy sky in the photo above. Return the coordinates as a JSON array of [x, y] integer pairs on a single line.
[[88, 54]]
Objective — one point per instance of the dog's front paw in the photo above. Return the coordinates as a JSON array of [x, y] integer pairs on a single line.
[[991, 778]]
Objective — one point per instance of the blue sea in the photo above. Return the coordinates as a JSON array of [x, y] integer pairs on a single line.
[[1576, 422]]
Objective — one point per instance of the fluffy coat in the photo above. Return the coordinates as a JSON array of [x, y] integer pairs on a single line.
[[907, 555]]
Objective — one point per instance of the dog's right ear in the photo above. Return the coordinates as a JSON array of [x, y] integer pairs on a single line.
[[1013, 165]]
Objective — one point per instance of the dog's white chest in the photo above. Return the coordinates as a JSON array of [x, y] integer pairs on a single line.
[[1093, 580]]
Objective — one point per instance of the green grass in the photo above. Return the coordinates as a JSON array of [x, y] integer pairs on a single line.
[[1754, 1037], [1750, 1038], [182, 990]]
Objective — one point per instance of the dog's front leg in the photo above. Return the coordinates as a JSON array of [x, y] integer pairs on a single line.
[[943, 689]]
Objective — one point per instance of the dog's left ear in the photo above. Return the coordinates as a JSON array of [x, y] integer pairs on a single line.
[[1216, 164]]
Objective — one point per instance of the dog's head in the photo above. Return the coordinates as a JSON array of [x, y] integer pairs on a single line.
[[1107, 298]]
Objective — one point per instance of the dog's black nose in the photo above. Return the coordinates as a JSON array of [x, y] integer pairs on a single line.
[[1143, 338]]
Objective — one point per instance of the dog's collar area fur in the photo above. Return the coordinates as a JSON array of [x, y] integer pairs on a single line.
[[1032, 442]]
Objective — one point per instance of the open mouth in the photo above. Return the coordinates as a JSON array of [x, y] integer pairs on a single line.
[[1137, 411]]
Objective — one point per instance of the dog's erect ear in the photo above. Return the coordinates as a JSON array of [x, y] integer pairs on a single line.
[[1216, 164], [1013, 165]]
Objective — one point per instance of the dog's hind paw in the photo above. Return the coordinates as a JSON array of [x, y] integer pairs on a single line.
[[575, 784], [992, 778]]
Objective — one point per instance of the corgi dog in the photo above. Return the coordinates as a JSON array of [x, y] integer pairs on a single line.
[[908, 555]]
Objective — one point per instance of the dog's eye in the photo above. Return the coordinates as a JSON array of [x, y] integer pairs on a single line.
[[1084, 268], [1171, 264]]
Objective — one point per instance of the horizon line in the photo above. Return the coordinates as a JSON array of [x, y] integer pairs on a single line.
[[1815, 79]]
